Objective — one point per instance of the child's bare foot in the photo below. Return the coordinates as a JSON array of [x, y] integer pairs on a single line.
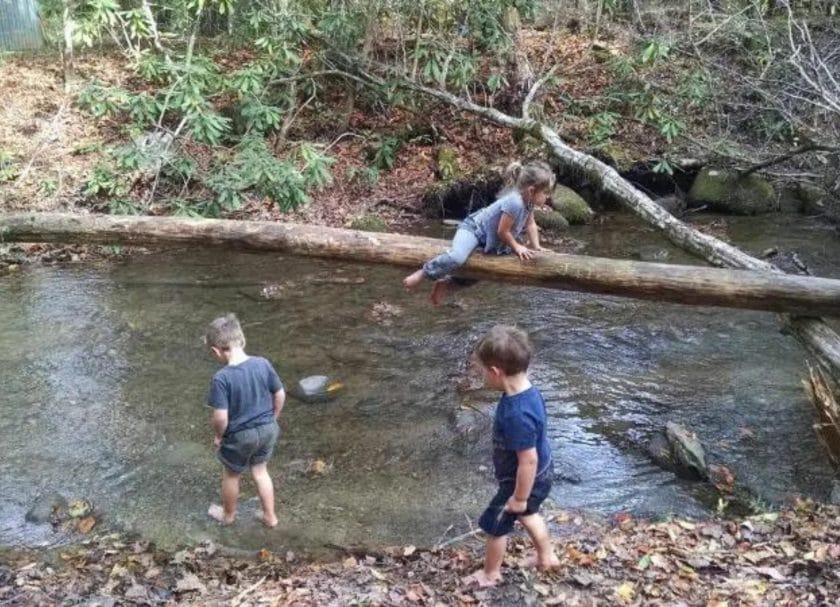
[[268, 521], [439, 291], [217, 513], [413, 279], [548, 563], [483, 579]]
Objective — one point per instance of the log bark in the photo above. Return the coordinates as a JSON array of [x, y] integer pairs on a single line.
[[694, 285]]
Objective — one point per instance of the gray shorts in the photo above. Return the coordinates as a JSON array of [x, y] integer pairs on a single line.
[[249, 447]]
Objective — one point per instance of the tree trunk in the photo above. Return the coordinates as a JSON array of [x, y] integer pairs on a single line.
[[694, 285], [68, 27]]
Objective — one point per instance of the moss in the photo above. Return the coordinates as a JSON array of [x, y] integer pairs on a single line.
[[550, 220], [369, 222], [726, 192], [447, 163], [570, 205]]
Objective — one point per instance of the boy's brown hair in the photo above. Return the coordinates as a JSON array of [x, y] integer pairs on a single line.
[[505, 347], [225, 333]]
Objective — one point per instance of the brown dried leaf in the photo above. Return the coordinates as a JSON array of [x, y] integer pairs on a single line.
[[86, 524]]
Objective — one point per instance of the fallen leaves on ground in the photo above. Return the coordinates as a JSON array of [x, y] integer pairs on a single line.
[[787, 558]]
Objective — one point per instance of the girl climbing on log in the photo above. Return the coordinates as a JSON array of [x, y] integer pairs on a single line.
[[494, 228]]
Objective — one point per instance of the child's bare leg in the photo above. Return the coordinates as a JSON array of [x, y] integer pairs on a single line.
[[265, 489], [413, 279], [230, 494], [439, 291], [538, 532], [494, 554]]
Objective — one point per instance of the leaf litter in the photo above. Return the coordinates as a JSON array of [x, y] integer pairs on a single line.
[[785, 558]]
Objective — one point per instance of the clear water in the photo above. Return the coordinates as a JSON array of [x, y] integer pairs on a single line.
[[105, 378]]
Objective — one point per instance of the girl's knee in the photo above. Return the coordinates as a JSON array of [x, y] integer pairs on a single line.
[[459, 257]]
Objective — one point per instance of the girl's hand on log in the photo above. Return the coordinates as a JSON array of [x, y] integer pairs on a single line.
[[217, 442], [524, 253]]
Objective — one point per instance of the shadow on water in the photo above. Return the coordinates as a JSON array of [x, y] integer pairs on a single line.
[[106, 376]]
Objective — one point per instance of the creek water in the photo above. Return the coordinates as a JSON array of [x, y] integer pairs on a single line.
[[105, 378]]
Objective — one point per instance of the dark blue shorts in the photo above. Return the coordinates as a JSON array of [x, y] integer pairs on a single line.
[[249, 447], [496, 522]]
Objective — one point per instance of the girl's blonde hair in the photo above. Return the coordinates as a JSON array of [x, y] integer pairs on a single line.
[[536, 174]]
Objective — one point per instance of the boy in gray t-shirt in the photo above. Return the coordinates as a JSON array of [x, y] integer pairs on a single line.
[[246, 396]]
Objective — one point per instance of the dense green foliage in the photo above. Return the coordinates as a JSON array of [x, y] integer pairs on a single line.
[[197, 121]]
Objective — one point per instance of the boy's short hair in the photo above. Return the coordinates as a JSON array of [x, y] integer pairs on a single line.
[[505, 347], [225, 333]]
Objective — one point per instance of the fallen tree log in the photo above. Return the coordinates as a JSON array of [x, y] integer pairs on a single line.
[[653, 281], [815, 335]]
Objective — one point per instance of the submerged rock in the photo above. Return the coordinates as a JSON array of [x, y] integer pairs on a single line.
[[316, 389], [470, 423], [727, 192], [44, 507]]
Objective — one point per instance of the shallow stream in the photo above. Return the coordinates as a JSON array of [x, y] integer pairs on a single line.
[[105, 379]]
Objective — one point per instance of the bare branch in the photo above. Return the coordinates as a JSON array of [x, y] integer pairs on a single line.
[[526, 105], [802, 149]]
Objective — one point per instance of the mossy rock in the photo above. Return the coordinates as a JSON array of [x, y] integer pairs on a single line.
[[726, 192], [619, 157], [815, 200], [369, 222], [446, 163], [550, 220], [570, 205], [811, 197]]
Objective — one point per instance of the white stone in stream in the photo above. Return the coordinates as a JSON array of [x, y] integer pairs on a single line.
[[316, 388]]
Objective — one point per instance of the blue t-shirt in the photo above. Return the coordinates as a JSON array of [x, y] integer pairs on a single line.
[[485, 222], [519, 424], [246, 391]]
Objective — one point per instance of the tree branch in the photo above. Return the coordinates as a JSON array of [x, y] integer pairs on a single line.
[[802, 149], [526, 105]]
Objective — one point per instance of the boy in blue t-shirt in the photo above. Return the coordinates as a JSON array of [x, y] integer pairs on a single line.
[[246, 396], [521, 452]]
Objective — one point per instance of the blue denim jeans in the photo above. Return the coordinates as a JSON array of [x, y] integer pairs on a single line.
[[463, 244]]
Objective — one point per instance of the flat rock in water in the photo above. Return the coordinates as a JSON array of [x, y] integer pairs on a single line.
[[316, 388]]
